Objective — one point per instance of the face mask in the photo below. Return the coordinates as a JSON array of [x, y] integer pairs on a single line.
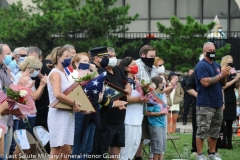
[[230, 64], [148, 61], [12, 65], [112, 61], [35, 73], [220, 30], [161, 70], [133, 69], [211, 55], [21, 59], [83, 66], [104, 62], [66, 62], [7, 60]]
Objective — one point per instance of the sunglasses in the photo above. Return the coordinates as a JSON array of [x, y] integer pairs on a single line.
[[160, 65], [21, 55]]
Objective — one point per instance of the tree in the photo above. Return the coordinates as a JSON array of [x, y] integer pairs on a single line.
[[183, 46], [50, 23]]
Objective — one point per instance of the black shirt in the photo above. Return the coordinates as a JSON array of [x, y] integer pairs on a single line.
[[114, 115], [229, 93], [43, 102], [191, 84]]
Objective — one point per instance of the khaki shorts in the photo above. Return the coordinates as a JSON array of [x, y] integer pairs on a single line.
[[209, 121]]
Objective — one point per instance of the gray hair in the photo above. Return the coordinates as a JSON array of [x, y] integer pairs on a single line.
[[68, 46], [206, 44], [1, 47], [110, 49], [16, 50], [34, 50]]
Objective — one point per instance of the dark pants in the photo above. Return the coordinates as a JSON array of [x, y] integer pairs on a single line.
[[42, 121], [83, 147], [229, 132], [13, 145], [28, 126], [194, 127], [187, 103]]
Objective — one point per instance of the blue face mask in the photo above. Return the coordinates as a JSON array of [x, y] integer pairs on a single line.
[[83, 66], [66, 62], [21, 59], [7, 60], [35, 73], [12, 65]]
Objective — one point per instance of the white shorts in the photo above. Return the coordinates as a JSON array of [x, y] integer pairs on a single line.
[[133, 134]]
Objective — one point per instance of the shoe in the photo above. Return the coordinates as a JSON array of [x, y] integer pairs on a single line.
[[184, 123], [214, 157], [201, 157]]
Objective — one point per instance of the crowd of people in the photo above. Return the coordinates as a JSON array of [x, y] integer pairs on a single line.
[[118, 127]]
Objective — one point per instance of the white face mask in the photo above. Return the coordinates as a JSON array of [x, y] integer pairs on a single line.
[[220, 30], [161, 70], [35, 73], [112, 61]]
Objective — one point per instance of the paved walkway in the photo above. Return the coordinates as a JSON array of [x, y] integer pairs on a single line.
[[185, 128]]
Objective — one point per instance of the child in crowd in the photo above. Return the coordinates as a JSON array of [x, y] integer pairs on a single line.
[[157, 123]]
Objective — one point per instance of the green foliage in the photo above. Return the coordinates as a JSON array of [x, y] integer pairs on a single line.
[[183, 46], [49, 23]]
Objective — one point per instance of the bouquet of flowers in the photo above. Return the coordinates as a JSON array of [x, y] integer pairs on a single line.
[[20, 95], [144, 88], [84, 76]]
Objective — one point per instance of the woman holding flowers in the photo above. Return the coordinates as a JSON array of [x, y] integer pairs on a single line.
[[134, 112], [60, 122]]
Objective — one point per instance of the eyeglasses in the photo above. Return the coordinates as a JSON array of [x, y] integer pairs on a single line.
[[21, 55]]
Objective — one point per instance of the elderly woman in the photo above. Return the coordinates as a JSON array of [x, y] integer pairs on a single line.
[[30, 67]]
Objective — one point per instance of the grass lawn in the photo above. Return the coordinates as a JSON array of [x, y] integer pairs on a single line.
[[186, 138]]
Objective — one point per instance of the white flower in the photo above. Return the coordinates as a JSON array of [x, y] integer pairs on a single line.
[[23, 93]]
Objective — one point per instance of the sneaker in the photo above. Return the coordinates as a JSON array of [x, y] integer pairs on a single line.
[[201, 157], [214, 157]]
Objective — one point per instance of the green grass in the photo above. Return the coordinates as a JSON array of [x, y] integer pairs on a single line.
[[187, 138]]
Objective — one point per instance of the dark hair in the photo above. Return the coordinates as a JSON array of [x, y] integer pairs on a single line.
[[125, 63], [157, 80], [144, 50]]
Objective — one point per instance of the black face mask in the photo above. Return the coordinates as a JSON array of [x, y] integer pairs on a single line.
[[230, 65], [104, 62], [211, 55], [148, 61]]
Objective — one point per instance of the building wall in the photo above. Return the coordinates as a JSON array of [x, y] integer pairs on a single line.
[[152, 11]]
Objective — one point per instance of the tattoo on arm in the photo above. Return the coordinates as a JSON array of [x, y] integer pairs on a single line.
[[213, 80]]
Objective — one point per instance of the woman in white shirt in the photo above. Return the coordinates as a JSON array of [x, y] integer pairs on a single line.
[[134, 112]]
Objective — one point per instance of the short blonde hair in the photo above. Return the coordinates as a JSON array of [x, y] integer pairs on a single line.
[[156, 60], [77, 58], [224, 60], [31, 63]]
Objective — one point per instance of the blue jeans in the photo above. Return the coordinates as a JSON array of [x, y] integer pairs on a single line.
[[13, 145], [84, 147]]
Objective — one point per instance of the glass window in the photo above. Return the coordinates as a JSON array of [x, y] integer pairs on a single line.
[[211, 8], [235, 24], [162, 8], [188, 7], [138, 26], [234, 8], [139, 6]]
